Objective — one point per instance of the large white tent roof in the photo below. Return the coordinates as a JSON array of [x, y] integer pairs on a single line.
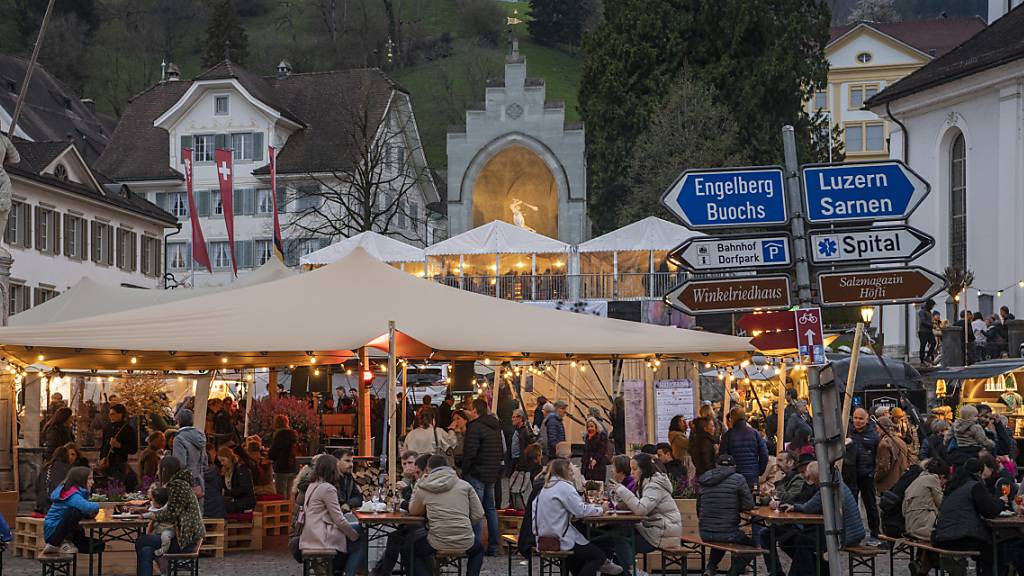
[[334, 310], [90, 298], [383, 248], [497, 237], [651, 233]]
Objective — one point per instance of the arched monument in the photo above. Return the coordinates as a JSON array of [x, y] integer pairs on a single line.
[[516, 160]]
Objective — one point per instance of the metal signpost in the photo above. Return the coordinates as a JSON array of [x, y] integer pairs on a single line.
[[778, 200]]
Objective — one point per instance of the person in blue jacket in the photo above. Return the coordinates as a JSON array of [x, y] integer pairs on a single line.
[[70, 505]]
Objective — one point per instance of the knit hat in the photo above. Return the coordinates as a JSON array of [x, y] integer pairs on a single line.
[[885, 423]]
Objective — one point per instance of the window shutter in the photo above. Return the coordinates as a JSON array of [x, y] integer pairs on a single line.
[[119, 256], [83, 244], [250, 201], [135, 250], [238, 197], [282, 199], [161, 201], [110, 244], [55, 233], [186, 142], [221, 141], [38, 214], [203, 201], [67, 235], [93, 231], [257, 146]]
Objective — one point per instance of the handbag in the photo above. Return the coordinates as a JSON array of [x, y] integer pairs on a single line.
[[551, 543], [298, 524]]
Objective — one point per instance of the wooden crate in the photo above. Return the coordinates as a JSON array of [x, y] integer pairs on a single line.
[[509, 524], [277, 516], [28, 536], [213, 542], [241, 536]]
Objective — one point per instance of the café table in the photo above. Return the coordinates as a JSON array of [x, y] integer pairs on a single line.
[[609, 524], [105, 528], [1012, 523], [773, 518], [377, 525]]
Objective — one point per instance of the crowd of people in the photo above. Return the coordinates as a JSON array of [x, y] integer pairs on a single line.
[[985, 337]]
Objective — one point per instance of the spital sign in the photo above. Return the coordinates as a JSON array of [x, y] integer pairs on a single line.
[[731, 295], [881, 286]]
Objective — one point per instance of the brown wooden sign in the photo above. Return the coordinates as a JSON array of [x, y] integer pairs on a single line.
[[731, 295], [882, 286]]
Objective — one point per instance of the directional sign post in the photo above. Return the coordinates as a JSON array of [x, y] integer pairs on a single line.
[[728, 254], [881, 286], [731, 197], [730, 294], [874, 245], [810, 336], [869, 191], [770, 330]]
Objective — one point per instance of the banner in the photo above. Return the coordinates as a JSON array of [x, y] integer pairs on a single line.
[[672, 398], [278, 241], [199, 253], [223, 160], [636, 414]]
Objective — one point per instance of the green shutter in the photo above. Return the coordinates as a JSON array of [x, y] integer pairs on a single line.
[[282, 199], [221, 141], [186, 142], [203, 202], [257, 146]]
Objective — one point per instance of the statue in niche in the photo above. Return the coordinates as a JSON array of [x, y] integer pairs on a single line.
[[518, 218], [8, 155]]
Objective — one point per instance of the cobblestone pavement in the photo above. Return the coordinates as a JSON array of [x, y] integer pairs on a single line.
[[274, 560]]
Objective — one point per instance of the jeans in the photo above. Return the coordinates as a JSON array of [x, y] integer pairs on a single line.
[[927, 351], [625, 554], [806, 560], [356, 555], [735, 537], [68, 529], [586, 560], [865, 486], [485, 491], [283, 483], [424, 554], [395, 549], [145, 548]]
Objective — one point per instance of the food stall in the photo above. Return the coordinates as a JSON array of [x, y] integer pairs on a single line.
[[992, 382]]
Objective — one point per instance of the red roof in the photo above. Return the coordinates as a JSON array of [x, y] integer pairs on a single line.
[[933, 37]]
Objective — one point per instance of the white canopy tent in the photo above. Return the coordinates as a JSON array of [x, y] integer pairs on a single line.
[[324, 315], [497, 237], [91, 298], [651, 233], [383, 248]]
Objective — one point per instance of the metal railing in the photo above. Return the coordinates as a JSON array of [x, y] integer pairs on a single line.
[[625, 286]]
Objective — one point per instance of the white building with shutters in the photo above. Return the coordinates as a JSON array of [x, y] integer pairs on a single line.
[[228, 107]]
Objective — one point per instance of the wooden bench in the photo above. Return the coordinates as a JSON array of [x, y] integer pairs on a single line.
[[57, 564], [550, 560], [509, 523], [449, 559], [277, 516], [696, 543], [511, 543], [672, 556], [178, 561], [241, 534], [318, 562], [862, 557], [909, 545]]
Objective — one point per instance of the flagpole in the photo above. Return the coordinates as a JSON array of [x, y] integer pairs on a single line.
[[31, 68]]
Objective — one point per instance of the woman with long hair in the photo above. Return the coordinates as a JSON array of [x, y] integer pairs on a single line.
[[662, 523], [119, 442], [182, 510], [678, 438], [325, 527], [282, 454], [57, 431], [239, 492], [557, 505], [69, 506], [52, 474], [595, 452]]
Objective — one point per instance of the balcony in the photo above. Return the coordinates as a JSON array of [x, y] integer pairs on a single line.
[[554, 287]]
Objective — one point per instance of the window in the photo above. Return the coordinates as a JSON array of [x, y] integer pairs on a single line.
[[864, 57], [400, 157], [177, 255], [150, 256], [403, 207], [247, 146], [43, 293], [220, 105], [264, 201], [308, 198], [102, 243], [127, 250], [19, 225], [958, 203], [19, 298], [47, 231], [864, 137], [820, 100], [220, 256], [218, 207], [859, 93], [75, 237], [264, 251], [179, 204], [203, 146]]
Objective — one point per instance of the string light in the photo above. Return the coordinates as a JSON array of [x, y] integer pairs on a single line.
[[40, 358], [248, 377], [223, 359], [348, 372], [134, 360], [316, 372], [181, 378], [487, 361], [312, 359], [572, 364]]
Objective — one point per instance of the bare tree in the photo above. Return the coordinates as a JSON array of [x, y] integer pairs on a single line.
[[378, 191]]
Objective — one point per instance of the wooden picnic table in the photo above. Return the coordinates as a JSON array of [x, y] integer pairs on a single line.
[[773, 518], [105, 528], [376, 524], [608, 524], [1013, 523]]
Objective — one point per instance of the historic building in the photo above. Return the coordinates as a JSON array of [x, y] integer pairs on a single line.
[[518, 161], [314, 121], [864, 58], [959, 123]]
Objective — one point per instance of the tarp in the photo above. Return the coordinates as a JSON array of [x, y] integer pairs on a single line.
[[651, 233], [874, 372], [986, 369], [383, 248], [339, 308], [90, 298], [497, 237]]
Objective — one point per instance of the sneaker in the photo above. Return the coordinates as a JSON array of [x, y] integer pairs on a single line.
[[611, 568], [872, 541], [50, 549], [710, 572], [68, 548], [637, 572]]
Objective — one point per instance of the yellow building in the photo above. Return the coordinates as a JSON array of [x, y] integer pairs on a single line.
[[865, 57]]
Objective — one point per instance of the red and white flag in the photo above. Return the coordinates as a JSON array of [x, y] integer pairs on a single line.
[[199, 253], [222, 160], [278, 242]]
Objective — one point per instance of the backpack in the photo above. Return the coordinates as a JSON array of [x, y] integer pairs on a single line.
[[542, 438]]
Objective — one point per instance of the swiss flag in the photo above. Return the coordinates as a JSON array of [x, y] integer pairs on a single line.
[[222, 159], [199, 253]]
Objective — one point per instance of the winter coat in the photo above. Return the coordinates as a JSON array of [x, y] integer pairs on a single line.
[[962, 511], [182, 510], [431, 440], [860, 452], [190, 450], [242, 491], [890, 503], [934, 446], [748, 450], [596, 448], [662, 524], [891, 462], [793, 488], [349, 492], [795, 423], [702, 451], [723, 494], [554, 433], [853, 526], [118, 457], [213, 493], [969, 434], [54, 437], [680, 444], [61, 501], [451, 507], [1004, 443], [521, 438], [282, 450], [326, 527], [921, 506], [49, 478], [557, 505], [482, 449]]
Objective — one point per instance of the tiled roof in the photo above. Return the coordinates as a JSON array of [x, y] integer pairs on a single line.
[[1000, 43], [37, 156], [934, 37], [251, 82]]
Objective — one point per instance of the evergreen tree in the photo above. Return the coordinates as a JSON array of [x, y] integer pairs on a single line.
[[764, 58], [224, 28], [875, 11], [560, 21]]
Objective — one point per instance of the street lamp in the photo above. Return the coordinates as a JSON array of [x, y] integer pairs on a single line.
[[867, 313]]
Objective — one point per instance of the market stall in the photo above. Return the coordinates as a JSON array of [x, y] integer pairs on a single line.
[[880, 381], [384, 248], [992, 382]]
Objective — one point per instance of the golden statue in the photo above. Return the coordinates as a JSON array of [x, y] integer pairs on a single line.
[[518, 218]]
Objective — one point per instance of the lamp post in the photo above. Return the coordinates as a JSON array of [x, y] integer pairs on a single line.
[[867, 313]]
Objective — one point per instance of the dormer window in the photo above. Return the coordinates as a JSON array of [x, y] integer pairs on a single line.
[[220, 105]]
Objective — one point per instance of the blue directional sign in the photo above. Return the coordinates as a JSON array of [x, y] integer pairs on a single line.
[[869, 191], [728, 198]]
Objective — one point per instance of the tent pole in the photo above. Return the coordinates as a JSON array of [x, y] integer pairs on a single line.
[[726, 400], [649, 407], [272, 385], [780, 411], [365, 442], [405, 397], [202, 397], [851, 376], [495, 389], [248, 403], [392, 452], [558, 366]]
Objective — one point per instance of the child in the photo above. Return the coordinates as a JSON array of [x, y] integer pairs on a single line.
[[166, 531]]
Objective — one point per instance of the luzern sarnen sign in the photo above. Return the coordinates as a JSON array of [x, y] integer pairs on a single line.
[[870, 191]]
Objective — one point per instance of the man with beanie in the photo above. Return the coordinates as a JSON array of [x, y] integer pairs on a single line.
[[190, 450]]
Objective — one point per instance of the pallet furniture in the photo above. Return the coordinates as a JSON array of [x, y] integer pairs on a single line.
[[318, 562], [213, 542], [243, 532], [28, 536], [277, 516], [553, 563], [449, 562]]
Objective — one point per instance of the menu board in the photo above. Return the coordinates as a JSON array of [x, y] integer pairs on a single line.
[[636, 421], [671, 398]]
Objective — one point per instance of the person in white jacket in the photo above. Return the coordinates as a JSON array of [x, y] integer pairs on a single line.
[[557, 504], [662, 524], [427, 439]]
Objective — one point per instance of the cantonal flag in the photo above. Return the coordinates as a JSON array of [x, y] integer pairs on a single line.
[[199, 253], [222, 159]]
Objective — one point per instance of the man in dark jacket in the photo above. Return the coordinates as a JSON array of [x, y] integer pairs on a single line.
[[349, 495], [803, 552], [961, 521], [746, 446], [555, 426], [799, 420], [723, 494], [994, 428], [481, 465], [859, 467]]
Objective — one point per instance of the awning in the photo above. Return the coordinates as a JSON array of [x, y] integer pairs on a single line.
[[497, 237], [874, 372], [986, 369]]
